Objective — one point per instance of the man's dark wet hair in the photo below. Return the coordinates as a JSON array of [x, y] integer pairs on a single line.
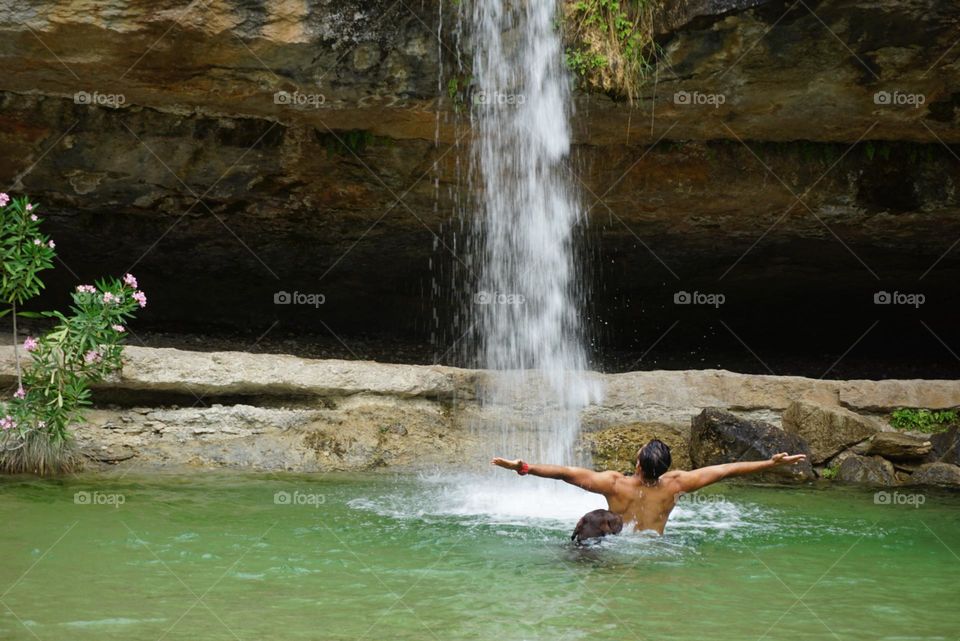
[[653, 459]]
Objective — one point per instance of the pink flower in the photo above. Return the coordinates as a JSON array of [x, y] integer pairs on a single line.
[[29, 207], [130, 280], [51, 244], [4, 199], [92, 356], [141, 298], [19, 393], [7, 422], [109, 297], [119, 328], [34, 218], [30, 344], [36, 241], [87, 289]]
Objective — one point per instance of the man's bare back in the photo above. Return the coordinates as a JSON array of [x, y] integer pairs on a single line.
[[647, 507], [647, 498]]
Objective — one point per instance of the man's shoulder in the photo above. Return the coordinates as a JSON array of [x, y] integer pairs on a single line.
[[673, 478], [614, 475]]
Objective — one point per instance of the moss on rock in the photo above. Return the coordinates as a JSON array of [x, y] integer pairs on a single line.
[[615, 448]]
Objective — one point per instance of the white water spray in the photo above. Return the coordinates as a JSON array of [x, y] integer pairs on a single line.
[[530, 290]]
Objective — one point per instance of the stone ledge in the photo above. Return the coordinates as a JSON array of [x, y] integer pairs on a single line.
[[239, 373], [628, 397]]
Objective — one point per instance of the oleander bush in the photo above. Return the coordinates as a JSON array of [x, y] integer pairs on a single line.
[[54, 371]]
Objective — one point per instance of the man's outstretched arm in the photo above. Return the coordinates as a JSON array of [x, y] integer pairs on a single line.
[[597, 482], [696, 479]]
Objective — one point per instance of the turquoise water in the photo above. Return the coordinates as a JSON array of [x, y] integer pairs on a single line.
[[207, 557]]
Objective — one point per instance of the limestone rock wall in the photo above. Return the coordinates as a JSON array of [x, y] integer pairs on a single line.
[[231, 150], [172, 408]]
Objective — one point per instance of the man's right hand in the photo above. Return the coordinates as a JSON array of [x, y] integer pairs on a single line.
[[514, 465], [786, 459]]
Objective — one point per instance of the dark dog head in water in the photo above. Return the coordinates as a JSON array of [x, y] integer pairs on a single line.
[[595, 524]]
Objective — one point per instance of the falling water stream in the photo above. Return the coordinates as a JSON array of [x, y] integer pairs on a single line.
[[530, 291]]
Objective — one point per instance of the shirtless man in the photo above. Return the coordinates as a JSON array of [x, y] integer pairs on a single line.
[[646, 498]]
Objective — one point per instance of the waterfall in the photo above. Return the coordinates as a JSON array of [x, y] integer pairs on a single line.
[[529, 288]]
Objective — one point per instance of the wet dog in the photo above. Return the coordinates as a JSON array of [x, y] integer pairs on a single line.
[[596, 524]]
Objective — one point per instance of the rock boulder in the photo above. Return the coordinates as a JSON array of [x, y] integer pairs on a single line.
[[721, 437], [615, 448], [946, 446], [873, 470], [898, 446], [937, 474], [827, 430]]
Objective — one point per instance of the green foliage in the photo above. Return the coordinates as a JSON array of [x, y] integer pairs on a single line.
[[583, 62], [24, 250], [83, 347], [612, 45], [921, 420], [458, 88], [829, 473]]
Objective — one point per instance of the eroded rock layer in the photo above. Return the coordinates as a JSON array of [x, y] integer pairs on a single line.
[[172, 408], [796, 158]]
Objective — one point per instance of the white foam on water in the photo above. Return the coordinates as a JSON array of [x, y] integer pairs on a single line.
[[527, 501], [116, 621], [551, 505]]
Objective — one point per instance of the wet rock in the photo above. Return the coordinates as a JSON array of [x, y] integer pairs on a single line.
[[827, 430], [937, 474], [615, 448], [838, 460], [419, 435], [887, 395], [221, 373], [417, 416], [721, 437], [872, 470], [907, 466], [898, 446], [206, 111], [946, 446], [109, 454]]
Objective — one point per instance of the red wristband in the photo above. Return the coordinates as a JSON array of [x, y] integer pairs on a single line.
[[524, 469]]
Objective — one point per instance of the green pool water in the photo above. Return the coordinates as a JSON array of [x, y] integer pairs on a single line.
[[252, 558]]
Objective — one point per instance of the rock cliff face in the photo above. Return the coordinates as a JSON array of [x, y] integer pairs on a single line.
[[173, 408], [789, 156]]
